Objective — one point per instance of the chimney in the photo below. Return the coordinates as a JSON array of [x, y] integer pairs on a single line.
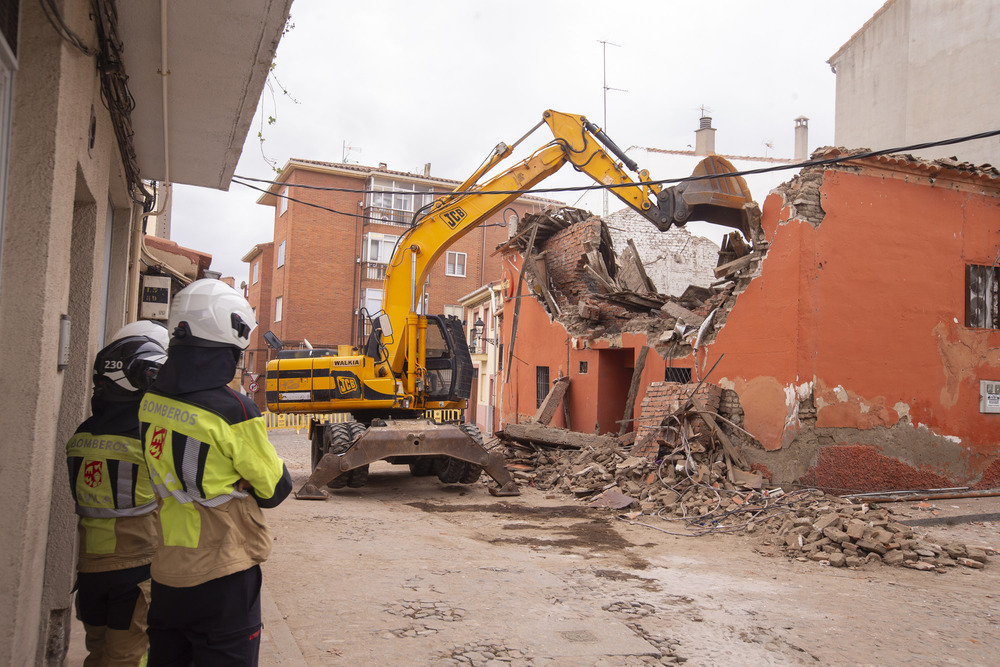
[[704, 137], [382, 166], [801, 138], [427, 169]]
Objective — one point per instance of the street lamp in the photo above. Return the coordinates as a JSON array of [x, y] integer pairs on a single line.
[[478, 331]]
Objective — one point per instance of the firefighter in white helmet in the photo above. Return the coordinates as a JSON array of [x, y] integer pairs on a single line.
[[114, 499], [213, 470]]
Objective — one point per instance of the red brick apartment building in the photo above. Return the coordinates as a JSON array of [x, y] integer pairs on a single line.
[[335, 227]]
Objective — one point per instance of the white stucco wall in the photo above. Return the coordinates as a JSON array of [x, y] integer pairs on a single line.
[[61, 198], [922, 70], [673, 259]]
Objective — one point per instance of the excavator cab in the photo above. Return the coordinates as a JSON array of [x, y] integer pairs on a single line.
[[448, 370]]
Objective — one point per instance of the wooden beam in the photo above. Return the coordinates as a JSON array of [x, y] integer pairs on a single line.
[[555, 437], [547, 410], [633, 390]]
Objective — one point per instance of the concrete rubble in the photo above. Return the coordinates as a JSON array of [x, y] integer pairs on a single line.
[[695, 485]]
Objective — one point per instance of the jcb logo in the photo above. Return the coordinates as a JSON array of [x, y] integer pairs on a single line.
[[454, 217], [345, 385]]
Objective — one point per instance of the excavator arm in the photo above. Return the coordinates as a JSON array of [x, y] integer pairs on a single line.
[[716, 197]]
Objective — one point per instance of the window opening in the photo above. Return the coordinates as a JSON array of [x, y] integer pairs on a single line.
[[541, 384], [680, 375], [583, 368], [277, 308], [982, 286], [281, 254], [455, 264]]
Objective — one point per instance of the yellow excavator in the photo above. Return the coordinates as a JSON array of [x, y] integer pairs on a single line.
[[385, 390]]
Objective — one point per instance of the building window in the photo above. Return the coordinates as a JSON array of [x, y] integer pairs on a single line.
[[391, 195], [281, 254], [277, 309], [982, 285], [454, 311], [455, 264], [681, 375], [282, 201], [379, 248], [541, 384], [372, 301], [256, 272], [583, 368]]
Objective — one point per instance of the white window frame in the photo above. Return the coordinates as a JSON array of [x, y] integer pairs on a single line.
[[281, 254], [370, 298], [451, 264], [383, 245], [256, 271], [279, 302], [282, 201]]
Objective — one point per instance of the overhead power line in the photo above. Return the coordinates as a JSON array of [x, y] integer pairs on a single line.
[[241, 180]]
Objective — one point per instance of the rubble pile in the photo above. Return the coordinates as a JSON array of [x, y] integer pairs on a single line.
[[698, 484], [839, 533]]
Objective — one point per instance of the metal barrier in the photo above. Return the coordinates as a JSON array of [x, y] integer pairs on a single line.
[[301, 421]]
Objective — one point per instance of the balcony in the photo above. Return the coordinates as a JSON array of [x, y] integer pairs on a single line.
[[375, 271], [387, 216]]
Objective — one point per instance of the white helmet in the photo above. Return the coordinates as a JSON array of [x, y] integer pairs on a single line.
[[148, 328], [128, 365], [210, 313]]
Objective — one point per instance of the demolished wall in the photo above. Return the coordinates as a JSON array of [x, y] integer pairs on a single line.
[[840, 336], [673, 259]]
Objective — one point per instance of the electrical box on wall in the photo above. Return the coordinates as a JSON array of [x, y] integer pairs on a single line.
[[989, 396], [155, 298]]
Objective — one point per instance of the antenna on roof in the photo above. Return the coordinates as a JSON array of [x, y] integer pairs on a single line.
[[347, 153]]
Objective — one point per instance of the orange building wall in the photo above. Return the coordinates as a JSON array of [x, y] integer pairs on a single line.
[[864, 314]]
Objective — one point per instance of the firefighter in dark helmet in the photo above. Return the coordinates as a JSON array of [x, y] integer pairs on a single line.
[[213, 469], [114, 499]]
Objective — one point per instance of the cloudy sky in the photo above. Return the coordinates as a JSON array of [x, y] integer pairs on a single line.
[[408, 83]]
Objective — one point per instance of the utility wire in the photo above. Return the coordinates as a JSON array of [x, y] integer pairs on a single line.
[[583, 188]]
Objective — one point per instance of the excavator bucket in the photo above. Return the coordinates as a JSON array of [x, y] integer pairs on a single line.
[[711, 196]]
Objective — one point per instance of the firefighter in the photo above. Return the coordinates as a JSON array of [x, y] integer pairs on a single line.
[[213, 470], [114, 499]]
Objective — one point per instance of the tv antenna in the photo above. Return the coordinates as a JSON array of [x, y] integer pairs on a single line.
[[604, 47]]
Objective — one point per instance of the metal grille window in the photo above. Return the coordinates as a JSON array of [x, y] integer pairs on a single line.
[[541, 384], [981, 290], [680, 375], [583, 368]]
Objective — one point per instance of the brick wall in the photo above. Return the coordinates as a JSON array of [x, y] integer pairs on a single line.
[[673, 259], [662, 399], [564, 258], [321, 280]]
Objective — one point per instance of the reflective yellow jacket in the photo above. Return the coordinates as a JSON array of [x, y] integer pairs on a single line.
[[198, 447], [112, 491]]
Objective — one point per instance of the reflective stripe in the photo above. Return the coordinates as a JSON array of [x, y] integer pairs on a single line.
[[110, 513], [184, 498], [189, 467], [124, 495]]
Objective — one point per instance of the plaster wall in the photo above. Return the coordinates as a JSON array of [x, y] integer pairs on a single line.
[[848, 351], [672, 259], [54, 257], [916, 73]]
